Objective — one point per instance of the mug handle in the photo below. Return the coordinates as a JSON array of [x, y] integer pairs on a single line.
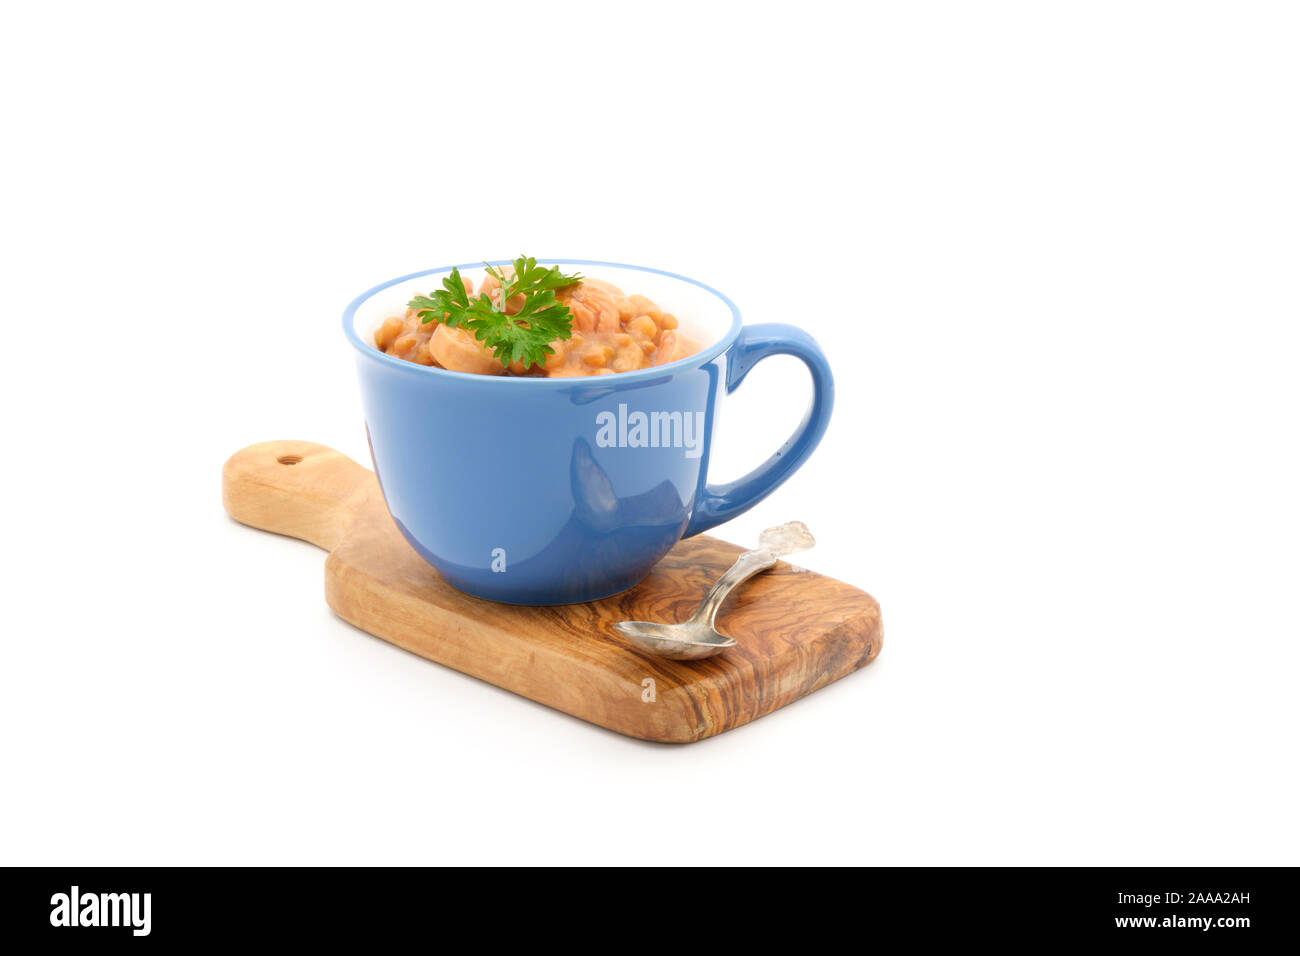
[[715, 504]]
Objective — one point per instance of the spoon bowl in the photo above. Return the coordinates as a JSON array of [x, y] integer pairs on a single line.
[[678, 642], [697, 637]]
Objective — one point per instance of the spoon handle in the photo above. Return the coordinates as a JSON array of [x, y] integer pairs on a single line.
[[746, 566]]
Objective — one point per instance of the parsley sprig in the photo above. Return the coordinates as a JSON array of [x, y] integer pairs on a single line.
[[524, 336]]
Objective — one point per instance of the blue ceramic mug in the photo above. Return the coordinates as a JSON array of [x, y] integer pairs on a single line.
[[563, 490]]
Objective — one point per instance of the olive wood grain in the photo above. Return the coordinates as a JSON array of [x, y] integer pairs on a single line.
[[796, 630]]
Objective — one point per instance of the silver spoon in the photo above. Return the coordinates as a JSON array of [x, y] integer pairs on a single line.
[[697, 637]]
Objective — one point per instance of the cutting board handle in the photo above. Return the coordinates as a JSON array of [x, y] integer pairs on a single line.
[[296, 488]]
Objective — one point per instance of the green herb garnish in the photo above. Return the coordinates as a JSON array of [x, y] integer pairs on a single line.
[[524, 336]]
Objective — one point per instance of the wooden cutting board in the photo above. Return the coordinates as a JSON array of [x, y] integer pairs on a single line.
[[797, 631]]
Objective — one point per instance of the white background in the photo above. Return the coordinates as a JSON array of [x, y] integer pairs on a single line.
[[1050, 248]]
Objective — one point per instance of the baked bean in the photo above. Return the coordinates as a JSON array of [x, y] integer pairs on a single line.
[[644, 306], [388, 332], [555, 359], [628, 358], [597, 356], [643, 327]]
